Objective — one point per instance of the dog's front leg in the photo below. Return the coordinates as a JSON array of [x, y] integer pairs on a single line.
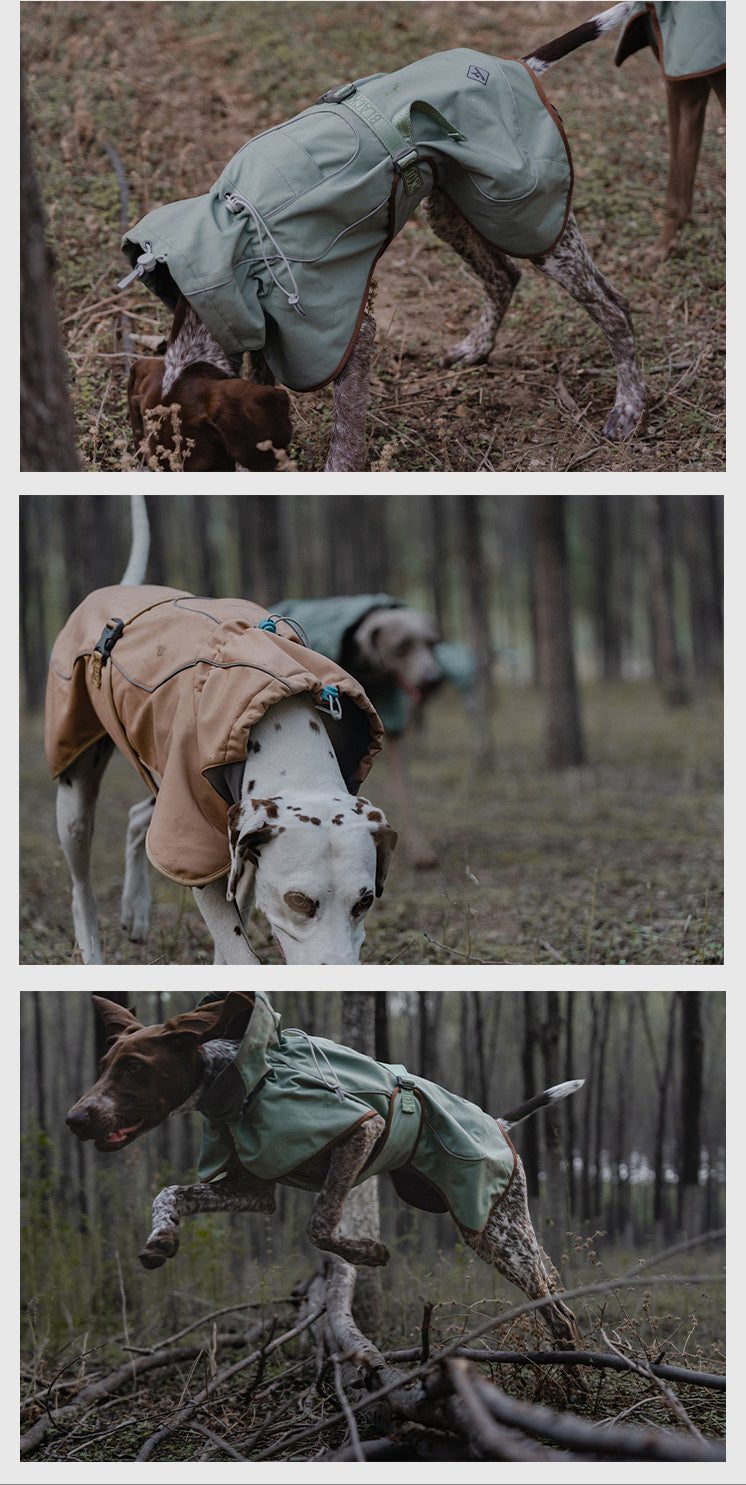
[[351, 387], [221, 917], [237, 1192], [347, 1160]]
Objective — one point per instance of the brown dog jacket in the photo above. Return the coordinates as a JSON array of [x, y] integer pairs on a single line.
[[177, 682]]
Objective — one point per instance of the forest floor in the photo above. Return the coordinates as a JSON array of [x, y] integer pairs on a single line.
[[177, 96], [270, 1404], [616, 862]]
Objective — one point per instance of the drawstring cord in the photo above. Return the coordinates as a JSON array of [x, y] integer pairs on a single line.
[[331, 1083], [236, 203]]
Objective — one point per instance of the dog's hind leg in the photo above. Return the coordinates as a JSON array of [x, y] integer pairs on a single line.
[[77, 793], [508, 1242], [570, 264], [347, 444], [498, 274], [135, 909], [346, 1162]]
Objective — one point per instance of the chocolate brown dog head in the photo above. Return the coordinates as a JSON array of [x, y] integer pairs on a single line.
[[208, 421]]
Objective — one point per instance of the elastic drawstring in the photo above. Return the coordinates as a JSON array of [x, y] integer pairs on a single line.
[[331, 1083], [330, 694], [236, 203], [146, 263]]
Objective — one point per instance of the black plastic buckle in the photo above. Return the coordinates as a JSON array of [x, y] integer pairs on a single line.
[[111, 633], [338, 94]]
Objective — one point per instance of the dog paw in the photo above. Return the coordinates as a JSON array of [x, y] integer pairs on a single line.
[[134, 917], [624, 421], [473, 351], [370, 1255], [159, 1249]]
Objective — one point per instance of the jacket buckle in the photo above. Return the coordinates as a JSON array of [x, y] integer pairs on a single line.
[[338, 94], [111, 632]]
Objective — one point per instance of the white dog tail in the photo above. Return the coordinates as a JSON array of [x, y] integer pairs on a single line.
[[138, 560], [554, 51], [539, 1101]]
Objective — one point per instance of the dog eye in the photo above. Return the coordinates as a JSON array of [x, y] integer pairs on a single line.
[[363, 905], [299, 903], [132, 1065]]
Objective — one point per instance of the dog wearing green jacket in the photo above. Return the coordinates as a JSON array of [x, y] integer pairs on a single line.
[[277, 259], [283, 1106]]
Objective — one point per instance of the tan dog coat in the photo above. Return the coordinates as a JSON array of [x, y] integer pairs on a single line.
[[179, 693]]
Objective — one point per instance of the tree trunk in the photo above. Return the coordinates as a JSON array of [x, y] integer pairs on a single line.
[[48, 434], [691, 1110], [362, 1210], [705, 605], [477, 588], [666, 654], [32, 560], [563, 746], [607, 614], [529, 1134], [554, 1202]]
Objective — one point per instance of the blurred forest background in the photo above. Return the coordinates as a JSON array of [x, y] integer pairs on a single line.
[[574, 796], [624, 1168]]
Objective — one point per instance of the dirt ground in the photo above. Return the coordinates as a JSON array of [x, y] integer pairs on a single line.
[[174, 90], [618, 862]]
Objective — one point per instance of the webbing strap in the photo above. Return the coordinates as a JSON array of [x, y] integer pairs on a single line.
[[397, 134]]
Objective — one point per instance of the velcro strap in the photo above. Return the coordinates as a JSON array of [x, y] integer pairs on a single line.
[[408, 1100]]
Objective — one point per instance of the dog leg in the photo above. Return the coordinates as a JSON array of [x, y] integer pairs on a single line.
[[77, 793], [570, 264], [347, 445], [237, 1192], [347, 1160], [498, 274], [135, 909], [687, 105], [223, 922], [508, 1242]]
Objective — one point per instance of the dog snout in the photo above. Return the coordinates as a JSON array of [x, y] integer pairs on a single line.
[[78, 1120]]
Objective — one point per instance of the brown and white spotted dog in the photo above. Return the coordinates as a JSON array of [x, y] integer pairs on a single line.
[[291, 836], [151, 1072], [212, 399]]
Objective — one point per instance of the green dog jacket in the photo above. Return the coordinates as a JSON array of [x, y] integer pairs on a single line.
[[178, 687], [303, 1094], [688, 39], [278, 256], [325, 625]]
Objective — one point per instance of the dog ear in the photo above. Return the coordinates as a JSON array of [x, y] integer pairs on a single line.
[[225, 1016], [251, 823], [243, 415], [143, 389], [385, 839], [117, 1020]]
